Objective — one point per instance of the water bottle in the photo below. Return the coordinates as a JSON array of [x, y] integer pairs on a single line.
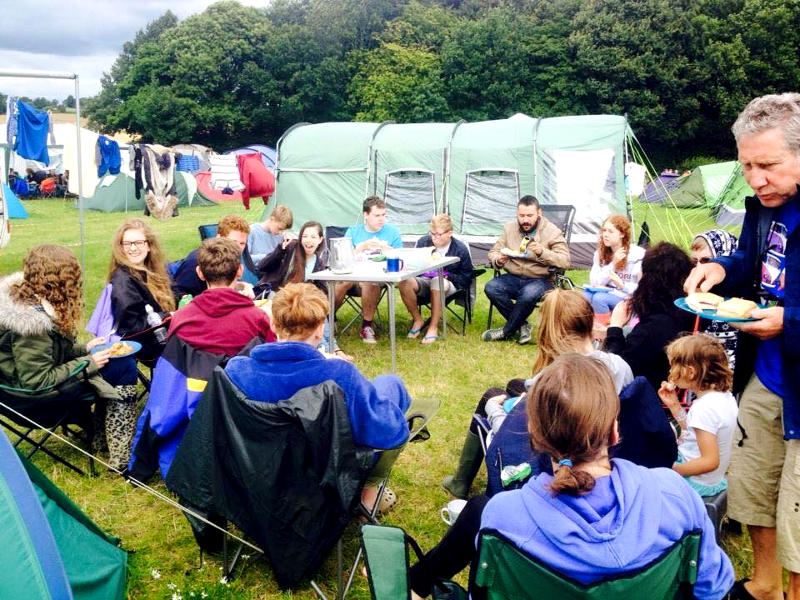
[[155, 321]]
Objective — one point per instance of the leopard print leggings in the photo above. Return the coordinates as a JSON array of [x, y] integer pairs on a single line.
[[120, 426]]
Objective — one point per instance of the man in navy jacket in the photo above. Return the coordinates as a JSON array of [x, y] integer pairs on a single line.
[[426, 287], [764, 476]]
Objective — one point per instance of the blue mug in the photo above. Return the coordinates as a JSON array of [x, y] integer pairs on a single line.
[[394, 265]]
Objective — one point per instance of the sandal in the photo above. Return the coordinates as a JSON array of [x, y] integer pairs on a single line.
[[414, 333], [429, 339], [339, 353]]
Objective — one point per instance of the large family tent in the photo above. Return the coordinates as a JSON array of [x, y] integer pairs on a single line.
[[49, 549], [117, 193], [476, 172]]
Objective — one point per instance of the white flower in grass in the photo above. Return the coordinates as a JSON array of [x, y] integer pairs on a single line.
[[176, 596], [224, 580], [172, 586], [203, 594], [155, 573]]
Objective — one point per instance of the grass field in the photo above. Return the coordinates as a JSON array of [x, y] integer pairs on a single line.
[[457, 371]]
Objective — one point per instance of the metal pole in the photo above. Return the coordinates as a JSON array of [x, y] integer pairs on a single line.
[[80, 181]]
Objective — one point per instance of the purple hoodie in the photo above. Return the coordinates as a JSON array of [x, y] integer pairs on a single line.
[[628, 520]]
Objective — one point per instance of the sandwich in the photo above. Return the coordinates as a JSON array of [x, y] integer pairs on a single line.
[[700, 301], [738, 308]]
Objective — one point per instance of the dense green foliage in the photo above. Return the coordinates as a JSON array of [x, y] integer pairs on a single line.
[[680, 69]]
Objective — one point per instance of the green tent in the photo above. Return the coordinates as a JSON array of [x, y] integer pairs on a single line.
[[729, 207], [708, 184], [117, 193], [48, 547], [476, 172]]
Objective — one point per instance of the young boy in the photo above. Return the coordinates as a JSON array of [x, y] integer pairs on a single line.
[[264, 237], [220, 320]]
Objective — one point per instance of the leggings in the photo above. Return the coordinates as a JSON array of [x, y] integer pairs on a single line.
[[454, 553]]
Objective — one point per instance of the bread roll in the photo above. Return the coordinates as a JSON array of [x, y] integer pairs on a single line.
[[738, 308], [700, 301]]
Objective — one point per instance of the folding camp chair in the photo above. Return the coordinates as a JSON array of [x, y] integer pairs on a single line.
[[207, 231], [504, 572], [562, 216], [24, 411], [353, 297]]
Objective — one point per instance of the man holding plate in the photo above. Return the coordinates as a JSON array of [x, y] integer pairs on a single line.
[[526, 249], [764, 475]]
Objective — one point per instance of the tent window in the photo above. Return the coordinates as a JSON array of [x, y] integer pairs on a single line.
[[410, 197], [491, 195]]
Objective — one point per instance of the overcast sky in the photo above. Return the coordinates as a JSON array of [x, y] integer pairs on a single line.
[[76, 36]]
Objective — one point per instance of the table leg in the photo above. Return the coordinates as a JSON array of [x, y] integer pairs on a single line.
[[443, 301], [332, 314], [390, 294]]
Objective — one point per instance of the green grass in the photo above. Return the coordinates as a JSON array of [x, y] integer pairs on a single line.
[[456, 370]]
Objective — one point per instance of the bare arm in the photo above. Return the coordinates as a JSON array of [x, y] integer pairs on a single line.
[[709, 456]]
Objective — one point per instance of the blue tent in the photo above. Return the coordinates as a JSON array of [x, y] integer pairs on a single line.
[[13, 205], [49, 549], [268, 155]]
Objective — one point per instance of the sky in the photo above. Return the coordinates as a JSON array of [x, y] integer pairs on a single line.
[[75, 36]]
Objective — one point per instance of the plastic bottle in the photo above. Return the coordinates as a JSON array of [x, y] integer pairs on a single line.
[[155, 321]]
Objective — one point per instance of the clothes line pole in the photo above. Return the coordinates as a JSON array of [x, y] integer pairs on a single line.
[[74, 76]]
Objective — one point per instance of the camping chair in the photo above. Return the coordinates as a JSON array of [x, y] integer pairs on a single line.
[[288, 474], [465, 298], [646, 438], [353, 296], [207, 231], [23, 411], [210, 231], [502, 572], [562, 216]]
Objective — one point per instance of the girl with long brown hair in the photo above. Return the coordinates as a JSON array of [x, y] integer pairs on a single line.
[[565, 326], [616, 266], [138, 276], [40, 311]]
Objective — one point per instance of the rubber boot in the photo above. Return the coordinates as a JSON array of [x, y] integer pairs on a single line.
[[121, 426], [468, 466]]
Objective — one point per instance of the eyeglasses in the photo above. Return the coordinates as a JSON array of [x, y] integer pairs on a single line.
[[133, 245], [435, 234]]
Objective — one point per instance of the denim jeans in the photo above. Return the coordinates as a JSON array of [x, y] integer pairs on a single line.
[[602, 302], [516, 297]]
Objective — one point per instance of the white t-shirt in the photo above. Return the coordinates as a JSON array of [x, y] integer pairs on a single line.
[[714, 412]]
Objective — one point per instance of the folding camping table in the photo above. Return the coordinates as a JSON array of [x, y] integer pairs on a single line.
[[373, 272]]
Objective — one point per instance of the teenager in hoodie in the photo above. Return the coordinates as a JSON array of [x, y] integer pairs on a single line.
[[220, 320], [597, 518]]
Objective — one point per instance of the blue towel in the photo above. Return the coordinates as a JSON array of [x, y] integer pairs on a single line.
[[32, 127], [108, 152], [188, 163]]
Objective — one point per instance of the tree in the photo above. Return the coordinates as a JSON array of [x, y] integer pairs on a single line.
[[397, 83], [69, 101]]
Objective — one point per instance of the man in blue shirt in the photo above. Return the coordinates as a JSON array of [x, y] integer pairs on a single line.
[[373, 235], [764, 474]]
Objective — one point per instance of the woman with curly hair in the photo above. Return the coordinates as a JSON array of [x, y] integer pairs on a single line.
[[617, 266], [664, 269], [40, 310], [138, 276]]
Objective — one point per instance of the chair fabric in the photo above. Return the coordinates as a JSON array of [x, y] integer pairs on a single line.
[[503, 572], [646, 437], [386, 556], [178, 381], [207, 231], [562, 216], [288, 474]]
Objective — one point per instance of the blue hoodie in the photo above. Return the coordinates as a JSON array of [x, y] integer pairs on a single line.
[[628, 520], [274, 372]]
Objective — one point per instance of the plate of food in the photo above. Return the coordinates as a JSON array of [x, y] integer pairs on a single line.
[[716, 308], [512, 253], [119, 349]]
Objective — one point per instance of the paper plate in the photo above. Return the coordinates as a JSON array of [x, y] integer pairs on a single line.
[[711, 313], [136, 346]]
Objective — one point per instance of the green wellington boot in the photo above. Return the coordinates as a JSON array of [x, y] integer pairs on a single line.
[[468, 466]]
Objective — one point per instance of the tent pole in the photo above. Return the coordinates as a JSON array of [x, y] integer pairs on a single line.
[[80, 181]]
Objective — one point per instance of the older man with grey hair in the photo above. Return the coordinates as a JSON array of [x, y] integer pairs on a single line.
[[764, 474]]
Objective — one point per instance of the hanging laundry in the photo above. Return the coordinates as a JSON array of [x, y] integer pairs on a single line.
[[107, 156], [225, 172], [158, 165], [188, 163], [32, 128], [11, 118], [258, 180], [136, 168]]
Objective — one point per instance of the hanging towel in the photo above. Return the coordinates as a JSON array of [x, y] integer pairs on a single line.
[[11, 118], [32, 128], [107, 156], [225, 172], [188, 163], [161, 199], [258, 180]]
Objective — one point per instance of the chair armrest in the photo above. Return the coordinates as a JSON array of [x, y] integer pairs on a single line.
[[80, 367]]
